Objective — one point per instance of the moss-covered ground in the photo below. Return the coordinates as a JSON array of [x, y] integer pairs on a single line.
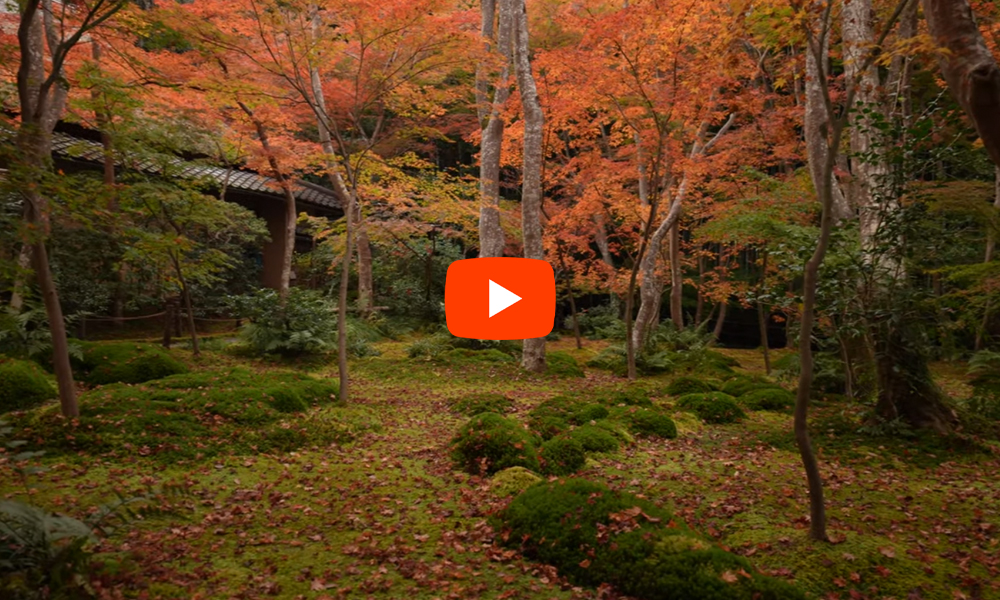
[[387, 516]]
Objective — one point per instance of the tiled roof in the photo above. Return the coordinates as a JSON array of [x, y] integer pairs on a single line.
[[82, 149]]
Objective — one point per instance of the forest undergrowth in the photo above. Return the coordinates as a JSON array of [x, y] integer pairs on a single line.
[[387, 515]]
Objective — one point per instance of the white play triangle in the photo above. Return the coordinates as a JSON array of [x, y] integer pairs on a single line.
[[501, 298]]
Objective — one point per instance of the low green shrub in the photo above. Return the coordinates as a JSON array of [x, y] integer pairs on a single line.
[[594, 438], [489, 443], [437, 344], [768, 399], [562, 456], [23, 385], [596, 536], [588, 413], [126, 362], [562, 364], [474, 404], [688, 385], [713, 407], [651, 423]]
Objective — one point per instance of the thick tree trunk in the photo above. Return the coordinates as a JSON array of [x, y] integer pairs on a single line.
[[291, 215], [905, 388], [533, 357], [491, 237], [968, 66], [991, 244], [815, 124]]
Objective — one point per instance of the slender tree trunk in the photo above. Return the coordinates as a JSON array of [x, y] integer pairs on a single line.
[[103, 121], [23, 266], [188, 308], [762, 313], [345, 275], [533, 357], [576, 322], [366, 292], [699, 310], [676, 278], [41, 107], [491, 237], [348, 199], [651, 290], [721, 322]]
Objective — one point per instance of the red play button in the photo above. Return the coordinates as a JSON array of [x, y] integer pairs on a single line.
[[500, 298]]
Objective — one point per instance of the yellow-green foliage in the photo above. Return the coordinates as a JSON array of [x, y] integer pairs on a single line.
[[23, 385], [513, 481]]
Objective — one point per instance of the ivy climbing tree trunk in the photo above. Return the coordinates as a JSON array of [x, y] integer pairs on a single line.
[[491, 237], [533, 357]]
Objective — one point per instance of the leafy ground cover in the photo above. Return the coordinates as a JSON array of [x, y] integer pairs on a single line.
[[386, 514]]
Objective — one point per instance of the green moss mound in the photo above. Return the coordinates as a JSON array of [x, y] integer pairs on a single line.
[[588, 413], [489, 443], [713, 407], [650, 423], [562, 456], [595, 536], [194, 416], [594, 438], [465, 356], [768, 399], [562, 364], [562, 407], [23, 385], [688, 385], [485, 402], [513, 481], [547, 427], [737, 386], [125, 362], [633, 396]]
